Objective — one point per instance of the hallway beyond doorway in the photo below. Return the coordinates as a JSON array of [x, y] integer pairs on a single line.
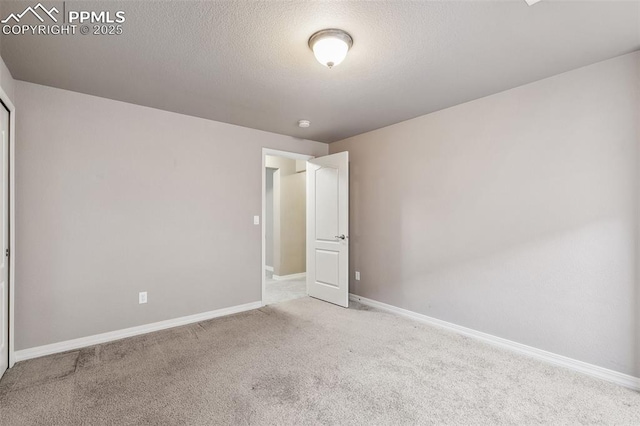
[[282, 290]]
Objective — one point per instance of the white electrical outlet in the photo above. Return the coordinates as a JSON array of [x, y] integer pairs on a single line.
[[142, 297], [256, 220], [357, 275]]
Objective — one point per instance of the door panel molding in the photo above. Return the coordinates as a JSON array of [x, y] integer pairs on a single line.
[[328, 228]]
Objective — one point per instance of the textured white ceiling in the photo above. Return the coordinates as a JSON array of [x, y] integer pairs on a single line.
[[248, 63]]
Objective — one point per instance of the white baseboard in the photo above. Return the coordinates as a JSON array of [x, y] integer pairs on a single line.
[[96, 339], [290, 277], [550, 357], [268, 268]]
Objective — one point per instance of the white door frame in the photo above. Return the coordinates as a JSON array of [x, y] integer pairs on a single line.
[[265, 152], [12, 215]]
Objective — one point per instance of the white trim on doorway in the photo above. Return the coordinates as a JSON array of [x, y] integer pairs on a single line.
[[12, 220], [277, 153]]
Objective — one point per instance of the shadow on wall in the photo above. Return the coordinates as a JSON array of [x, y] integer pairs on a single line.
[[500, 261], [503, 262], [377, 193], [515, 214]]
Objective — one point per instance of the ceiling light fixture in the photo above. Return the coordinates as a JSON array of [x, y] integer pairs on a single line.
[[531, 2], [304, 123], [330, 46]]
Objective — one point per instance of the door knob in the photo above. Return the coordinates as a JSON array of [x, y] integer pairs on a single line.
[[341, 237]]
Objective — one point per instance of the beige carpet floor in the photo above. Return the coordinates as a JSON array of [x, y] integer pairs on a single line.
[[305, 362], [277, 291]]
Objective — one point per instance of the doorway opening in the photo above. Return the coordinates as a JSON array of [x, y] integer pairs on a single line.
[[305, 240], [284, 272]]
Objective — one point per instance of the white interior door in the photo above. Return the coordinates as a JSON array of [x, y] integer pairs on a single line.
[[4, 239], [328, 228]]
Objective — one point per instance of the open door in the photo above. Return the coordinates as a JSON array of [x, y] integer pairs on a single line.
[[328, 228]]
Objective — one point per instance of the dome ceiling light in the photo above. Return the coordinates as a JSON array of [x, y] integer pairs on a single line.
[[330, 46]]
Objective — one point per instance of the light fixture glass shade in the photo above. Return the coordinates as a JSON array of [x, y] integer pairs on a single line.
[[330, 47]]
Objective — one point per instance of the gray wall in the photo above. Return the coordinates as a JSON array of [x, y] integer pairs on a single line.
[[515, 214], [6, 81], [115, 198]]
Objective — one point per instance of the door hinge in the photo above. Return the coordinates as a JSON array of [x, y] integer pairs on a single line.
[[7, 252]]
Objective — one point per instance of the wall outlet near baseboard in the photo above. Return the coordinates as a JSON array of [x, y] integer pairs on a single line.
[[357, 275], [142, 297]]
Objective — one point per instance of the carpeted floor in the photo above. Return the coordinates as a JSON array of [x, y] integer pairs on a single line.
[[277, 291], [305, 362]]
